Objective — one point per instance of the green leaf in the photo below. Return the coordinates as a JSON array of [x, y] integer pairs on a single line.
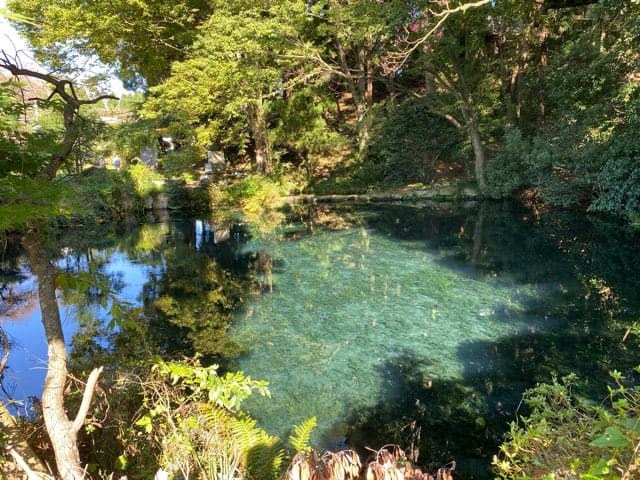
[[632, 424], [599, 469], [121, 462], [613, 437]]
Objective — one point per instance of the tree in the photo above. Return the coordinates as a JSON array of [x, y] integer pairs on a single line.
[[222, 92], [446, 47], [61, 429], [66, 92], [349, 38], [141, 38], [572, 80]]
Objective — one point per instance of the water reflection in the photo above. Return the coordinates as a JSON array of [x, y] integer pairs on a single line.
[[139, 289], [389, 323]]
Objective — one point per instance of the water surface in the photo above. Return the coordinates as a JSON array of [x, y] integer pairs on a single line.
[[389, 323]]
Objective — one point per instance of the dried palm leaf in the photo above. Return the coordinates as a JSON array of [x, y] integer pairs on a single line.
[[305, 466], [351, 463]]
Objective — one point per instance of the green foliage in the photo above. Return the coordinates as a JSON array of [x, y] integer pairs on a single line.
[[179, 163], [302, 434], [563, 437], [578, 113], [24, 149], [99, 193], [146, 181], [191, 414], [24, 200], [409, 142], [302, 129], [237, 62], [201, 311], [228, 391], [129, 138], [547, 167], [618, 182], [141, 37], [522, 163], [259, 197]]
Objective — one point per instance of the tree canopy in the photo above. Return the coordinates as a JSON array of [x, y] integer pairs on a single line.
[[540, 92]]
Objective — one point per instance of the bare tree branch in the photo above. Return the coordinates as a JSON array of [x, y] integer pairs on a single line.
[[86, 398], [31, 474], [397, 60], [72, 103]]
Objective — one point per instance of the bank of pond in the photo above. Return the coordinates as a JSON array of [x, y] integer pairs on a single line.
[[388, 323]]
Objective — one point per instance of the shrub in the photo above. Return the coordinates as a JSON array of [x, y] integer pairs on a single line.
[[192, 416], [259, 197], [409, 141], [146, 181], [563, 437]]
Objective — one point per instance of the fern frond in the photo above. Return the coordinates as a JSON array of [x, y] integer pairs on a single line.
[[302, 434], [263, 454]]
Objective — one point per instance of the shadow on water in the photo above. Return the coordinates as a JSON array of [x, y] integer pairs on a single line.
[[465, 420], [587, 271]]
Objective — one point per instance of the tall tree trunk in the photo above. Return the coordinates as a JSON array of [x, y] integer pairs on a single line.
[[258, 126], [62, 431], [480, 159], [469, 112], [59, 427]]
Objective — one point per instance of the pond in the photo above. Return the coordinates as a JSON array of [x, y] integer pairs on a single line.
[[388, 323]]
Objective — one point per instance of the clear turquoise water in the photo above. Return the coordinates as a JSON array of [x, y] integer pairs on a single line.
[[347, 303], [409, 325], [410, 315]]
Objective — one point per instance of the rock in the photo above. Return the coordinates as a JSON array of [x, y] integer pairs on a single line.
[[425, 193], [446, 192]]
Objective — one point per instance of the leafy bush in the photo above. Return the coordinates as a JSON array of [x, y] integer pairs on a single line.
[[409, 141], [259, 197], [130, 137], [506, 173], [101, 194], [564, 437], [191, 413], [557, 172], [23, 200], [179, 163], [618, 182], [146, 181]]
